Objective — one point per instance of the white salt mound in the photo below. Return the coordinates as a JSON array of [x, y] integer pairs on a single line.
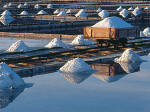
[[70, 11], [146, 32], [42, 12], [136, 12], [138, 8], [56, 11], [112, 22], [62, 13], [24, 13], [103, 14], [18, 46], [142, 34], [75, 66], [79, 40], [124, 13], [147, 8], [8, 78], [6, 19], [6, 12], [119, 8], [99, 10], [131, 9], [81, 13], [37, 6], [10, 4], [56, 42], [49, 6], [20, 6], [128, 56], [6, 6]]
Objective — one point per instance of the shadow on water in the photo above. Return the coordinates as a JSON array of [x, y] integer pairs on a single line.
[[9, 95]]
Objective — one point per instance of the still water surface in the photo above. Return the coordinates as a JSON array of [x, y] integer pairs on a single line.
[[55, 92]]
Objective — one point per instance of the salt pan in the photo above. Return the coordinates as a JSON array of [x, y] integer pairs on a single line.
[[112, 22], [129, 56], [18, 46], [103, 14], [56, 42]]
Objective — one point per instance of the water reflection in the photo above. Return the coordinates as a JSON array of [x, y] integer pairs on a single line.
[[111, 72]]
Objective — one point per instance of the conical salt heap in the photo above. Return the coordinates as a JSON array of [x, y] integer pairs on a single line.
[[56, 11], [99, 10], [20, 6], [146, 32], [18, 46], [6, 6], [136, 12], [8, 78], [147, 8], [119, 8], [62, 13], [128, 56], [37, 6], [70, 11], [124, 13], [49, 6], [42, 12], [81, 13], [130, 9], [56, 42], [6, 19], [103, 14], [112, 22], [24, 13], [6, 12], [76, 65]]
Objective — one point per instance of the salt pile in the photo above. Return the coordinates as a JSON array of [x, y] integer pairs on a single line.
[[6, 19], [76, 65], [42, 12], [124, 13], [56, 11], [6, 6], [99, 10], [146, 32], [24, 13], [6, 12], [103, 14], [10, 4], [18, 46], [138, 8], [50, 6], [20, 6], [8, 78], [142, 34], [70, 11], [136, 12], [128, 56], [81, 13], [130, 67], [112, 22], [147, 8], [79, 40], [62, 13], [56, 42], [119, 8], [76, 77], [26, 4], [130, 9], [37, 6]]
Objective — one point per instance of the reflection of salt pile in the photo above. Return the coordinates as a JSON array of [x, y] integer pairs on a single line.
[[24, 13], [130, 67], [81, 13], [56, 42], [112, 22], [136, 12], [146, 32], [120, 8], [8, 78], [70, 11], [57, 11], [103, 14], [49, 6], [41, 12], [6, 19], [62, 13], [76, 77], [37, 6], [6, 12], [18, 46], [129, 56], [20, 6], [79, 40], [131, 9], [99, 10], [124, 13], [76, 65]]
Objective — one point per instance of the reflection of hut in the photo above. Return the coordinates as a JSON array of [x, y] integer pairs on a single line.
[[6, 19], [76, 77], [7, 96]]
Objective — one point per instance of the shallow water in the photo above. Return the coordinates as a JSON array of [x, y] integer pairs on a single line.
[[59, 93]]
